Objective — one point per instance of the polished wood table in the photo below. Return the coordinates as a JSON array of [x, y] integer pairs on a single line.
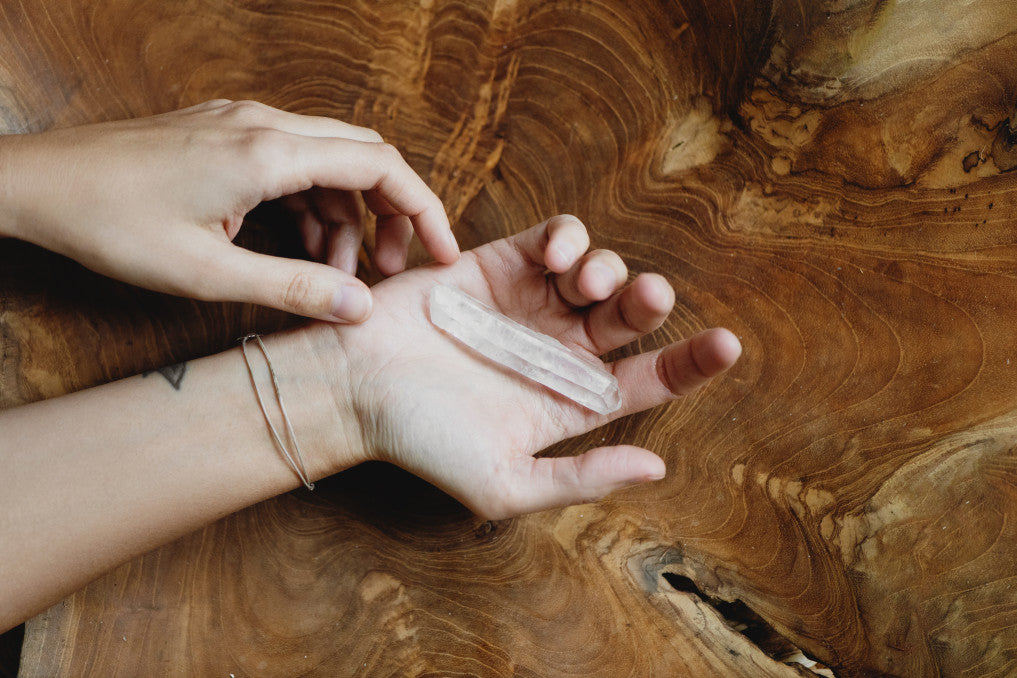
[[831, 180]]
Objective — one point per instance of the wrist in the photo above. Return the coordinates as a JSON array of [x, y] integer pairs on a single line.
[[313, 380]]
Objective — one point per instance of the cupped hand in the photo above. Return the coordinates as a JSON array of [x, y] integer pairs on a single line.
[[157, 202], [432, 406]]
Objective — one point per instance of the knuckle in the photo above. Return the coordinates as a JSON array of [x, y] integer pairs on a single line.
[[246, 111], [300, 295], [388, 151], [388, 157], [389, 163], [371, 135], [264, 150]]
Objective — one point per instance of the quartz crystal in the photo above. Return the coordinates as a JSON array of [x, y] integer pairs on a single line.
[[529, 353]]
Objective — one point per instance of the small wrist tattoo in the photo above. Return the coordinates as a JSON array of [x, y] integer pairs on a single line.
[[174, 374]]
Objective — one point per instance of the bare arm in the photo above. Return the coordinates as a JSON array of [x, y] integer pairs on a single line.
[[95, 478], [90, 480]]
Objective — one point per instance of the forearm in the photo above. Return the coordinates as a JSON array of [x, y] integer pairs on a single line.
[[35, 182], [95, 478]]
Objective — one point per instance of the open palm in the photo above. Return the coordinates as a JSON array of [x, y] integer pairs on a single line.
[[437, 409]]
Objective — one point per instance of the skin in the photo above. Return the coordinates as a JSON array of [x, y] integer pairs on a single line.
[[163, 197], [486, 459], [95, 478]]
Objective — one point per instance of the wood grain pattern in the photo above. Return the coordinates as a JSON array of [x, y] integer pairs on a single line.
[[831, 180]]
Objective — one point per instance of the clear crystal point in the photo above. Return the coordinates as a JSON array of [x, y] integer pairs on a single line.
[[531, 354]]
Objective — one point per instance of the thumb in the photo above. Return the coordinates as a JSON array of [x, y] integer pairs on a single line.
[[301, 287], [553, 482]]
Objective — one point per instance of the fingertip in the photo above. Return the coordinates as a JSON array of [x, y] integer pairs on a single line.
[[656, 469], [390, 261], [449, 258], [311, 290], [716, 350], [686, 366], [560, 256], [545, 483], [597, 281], [435, 232], [654, 293], [451, 251], [393, 234], [567, 240], [626, 466], [641, 466], [351, 303], [312, 230]]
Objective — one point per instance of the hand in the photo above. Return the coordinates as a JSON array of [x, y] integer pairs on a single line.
[[431, 406], [157, 202]]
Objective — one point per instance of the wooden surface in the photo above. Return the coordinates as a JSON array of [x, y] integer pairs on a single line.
[[831, 180]]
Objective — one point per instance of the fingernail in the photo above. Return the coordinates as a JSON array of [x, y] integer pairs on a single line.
[[351, 304]]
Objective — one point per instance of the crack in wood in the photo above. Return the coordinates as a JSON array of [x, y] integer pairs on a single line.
[[744, 620]]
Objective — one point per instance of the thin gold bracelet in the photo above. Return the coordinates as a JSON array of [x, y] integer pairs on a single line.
[[296, 460]]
